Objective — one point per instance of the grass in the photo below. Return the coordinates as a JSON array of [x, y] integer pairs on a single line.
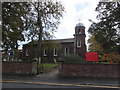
[[49, 64], [48, 67]]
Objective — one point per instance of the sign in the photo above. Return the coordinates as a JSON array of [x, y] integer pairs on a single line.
[[91, 56]]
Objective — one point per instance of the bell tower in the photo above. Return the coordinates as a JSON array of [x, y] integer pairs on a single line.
[[79, 40]]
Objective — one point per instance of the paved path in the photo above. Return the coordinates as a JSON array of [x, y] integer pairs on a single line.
[[49, 74]]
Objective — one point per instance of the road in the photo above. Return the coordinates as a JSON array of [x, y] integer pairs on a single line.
[[50, 80], [37, 85], [21, 84]]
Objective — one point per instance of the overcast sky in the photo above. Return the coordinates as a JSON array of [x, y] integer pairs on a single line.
[[76, 11]]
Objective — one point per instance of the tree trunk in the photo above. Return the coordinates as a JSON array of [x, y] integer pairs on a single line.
[[39, 43]]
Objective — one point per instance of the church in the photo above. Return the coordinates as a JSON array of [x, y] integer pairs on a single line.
[[74, 45]]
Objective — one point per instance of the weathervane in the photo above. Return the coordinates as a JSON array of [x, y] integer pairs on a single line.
[[79, 20]]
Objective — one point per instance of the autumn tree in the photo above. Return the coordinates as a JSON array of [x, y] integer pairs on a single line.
[[94, 46], [107, 29], [106, 32]]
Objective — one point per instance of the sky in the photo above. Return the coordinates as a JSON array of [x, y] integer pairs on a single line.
[[76, 11]]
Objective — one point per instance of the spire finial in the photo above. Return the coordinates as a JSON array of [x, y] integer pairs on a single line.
[[79, 20]]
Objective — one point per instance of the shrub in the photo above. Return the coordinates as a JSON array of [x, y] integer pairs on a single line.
[[72, 58], [110, 58]]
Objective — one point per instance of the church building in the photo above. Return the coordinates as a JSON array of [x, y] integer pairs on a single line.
[[74, 45]]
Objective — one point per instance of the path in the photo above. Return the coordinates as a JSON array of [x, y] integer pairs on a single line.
[[49, 74]]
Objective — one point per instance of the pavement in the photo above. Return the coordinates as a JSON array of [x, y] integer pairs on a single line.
[[51, 78]]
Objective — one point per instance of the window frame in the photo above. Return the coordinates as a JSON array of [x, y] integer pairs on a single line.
[[55, 52]]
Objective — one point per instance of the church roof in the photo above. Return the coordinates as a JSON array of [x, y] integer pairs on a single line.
[[68, 40], [80, 24], [64, 40]]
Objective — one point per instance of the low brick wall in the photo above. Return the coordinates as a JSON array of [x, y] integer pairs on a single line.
[[88, 70], [19, 68]]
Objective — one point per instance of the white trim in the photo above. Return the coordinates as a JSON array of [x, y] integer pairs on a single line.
[[45, 52], [55, 52]]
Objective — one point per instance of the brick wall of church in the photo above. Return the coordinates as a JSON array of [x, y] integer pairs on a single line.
[[60, 52], [30, 51]]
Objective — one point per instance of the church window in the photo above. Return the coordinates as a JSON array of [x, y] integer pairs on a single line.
[[66, 50], [79, 32], [55, 52], [78, 43], [26, 53], [45, 52]]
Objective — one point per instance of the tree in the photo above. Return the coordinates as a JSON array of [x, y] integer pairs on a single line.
[[30, 20], [107, 30], [110, 57], [42, 20], [12, 24], [94, 46]]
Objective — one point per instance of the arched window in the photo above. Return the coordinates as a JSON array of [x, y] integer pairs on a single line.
[[26, 52], [79, 31], [45, 52], [78, 43], [55, 52]]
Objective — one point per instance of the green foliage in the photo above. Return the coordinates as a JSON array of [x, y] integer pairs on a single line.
[[29, 21], [94, 46], [50, 44], [72, 58], [12, 24], [42, 20], [110, 58], [106, 31]]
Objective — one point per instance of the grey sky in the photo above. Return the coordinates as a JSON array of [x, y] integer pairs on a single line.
[[75, 10]]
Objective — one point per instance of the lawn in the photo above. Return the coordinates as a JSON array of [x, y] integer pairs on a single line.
[[47, 67]]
